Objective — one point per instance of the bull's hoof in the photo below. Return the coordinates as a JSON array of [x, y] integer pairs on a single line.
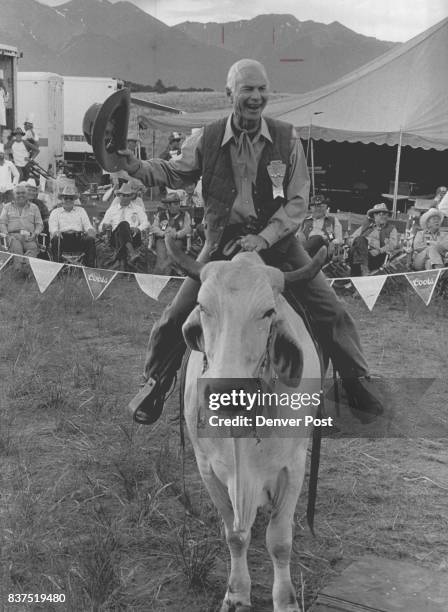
[[229, 606]]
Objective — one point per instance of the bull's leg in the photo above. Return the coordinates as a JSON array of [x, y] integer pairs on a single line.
[[237, 597], [279, 539]]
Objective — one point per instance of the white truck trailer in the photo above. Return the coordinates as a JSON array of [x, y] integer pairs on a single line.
[[79, 94], [40, 99]]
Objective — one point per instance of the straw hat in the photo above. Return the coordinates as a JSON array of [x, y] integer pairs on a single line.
[[432, 212], [378, 208]]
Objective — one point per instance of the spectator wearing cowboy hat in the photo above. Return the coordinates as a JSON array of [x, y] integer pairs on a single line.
[[30, 133], [320, 228], [137, 188], [175, 218], [9, 177], [373, 241], [430, 244], [22, 222], [22, 152], [33, 197], [72, 224], [126, 221]]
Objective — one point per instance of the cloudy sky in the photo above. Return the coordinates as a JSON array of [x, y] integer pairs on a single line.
[[396, 20]]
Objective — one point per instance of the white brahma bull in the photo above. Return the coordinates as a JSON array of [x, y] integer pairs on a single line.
[[241, 322]]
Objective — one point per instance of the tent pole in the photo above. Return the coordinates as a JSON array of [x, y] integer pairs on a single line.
[[312, 168], [308, 142], [397, 177]]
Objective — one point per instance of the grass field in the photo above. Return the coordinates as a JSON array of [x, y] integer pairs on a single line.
[[114, 515]]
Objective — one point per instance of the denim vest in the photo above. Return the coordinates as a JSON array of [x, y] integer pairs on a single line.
[[218, 183]]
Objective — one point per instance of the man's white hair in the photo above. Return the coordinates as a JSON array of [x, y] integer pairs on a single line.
[[238, 67]]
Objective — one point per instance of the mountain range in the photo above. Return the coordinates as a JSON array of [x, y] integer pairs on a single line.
[[98, 38]]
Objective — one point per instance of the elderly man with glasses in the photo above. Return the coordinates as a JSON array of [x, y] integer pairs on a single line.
[[20, 220]]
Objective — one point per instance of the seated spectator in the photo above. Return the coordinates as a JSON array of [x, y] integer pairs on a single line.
[[320, 228], [22, 152], [373, 241], [440, 194], [9, 177], [71, 224], [136, 195], [22, 223], [126, 222], [194, 197], [173, 217], [173, 148], [33, 194], [430, 245]]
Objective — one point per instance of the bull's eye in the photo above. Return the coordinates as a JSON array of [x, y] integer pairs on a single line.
[[269, 313], [203, 310]]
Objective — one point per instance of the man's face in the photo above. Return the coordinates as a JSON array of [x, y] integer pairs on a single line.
[[249, 96], [318, 211], [433, 223], [18, 137], [381, 218], [68, 203], [125, 198], [32, 192], [174, 208], [21, 196]]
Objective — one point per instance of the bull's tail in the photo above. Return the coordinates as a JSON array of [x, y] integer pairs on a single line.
[[243, 489]]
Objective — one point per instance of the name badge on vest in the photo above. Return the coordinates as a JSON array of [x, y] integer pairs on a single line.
[[277, 170]]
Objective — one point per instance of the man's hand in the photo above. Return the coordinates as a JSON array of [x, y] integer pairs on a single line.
[[251, 242], [129, 161]]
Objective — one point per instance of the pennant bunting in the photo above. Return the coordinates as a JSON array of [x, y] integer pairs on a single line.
[[424, 283], [152, 284], [369, 288], [98, 280], [4, 258], [44, 271]]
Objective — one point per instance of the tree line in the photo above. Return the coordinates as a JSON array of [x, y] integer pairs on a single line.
[[160, 87]]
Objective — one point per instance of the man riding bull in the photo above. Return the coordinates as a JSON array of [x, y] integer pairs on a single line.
[[255, 186]]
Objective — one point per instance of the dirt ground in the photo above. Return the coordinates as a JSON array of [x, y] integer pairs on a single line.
[[114, 515]]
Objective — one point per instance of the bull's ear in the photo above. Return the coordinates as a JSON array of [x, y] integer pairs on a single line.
[[286, 355], [192, 331]]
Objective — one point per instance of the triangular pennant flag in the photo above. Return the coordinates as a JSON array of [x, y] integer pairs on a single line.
[[369, 288], [4, 258], [98, 280], [44, 271], [424, 283], [152, 284]]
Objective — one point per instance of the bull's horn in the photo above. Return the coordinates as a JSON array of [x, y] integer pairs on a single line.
[[188, 264], [309, 270]]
